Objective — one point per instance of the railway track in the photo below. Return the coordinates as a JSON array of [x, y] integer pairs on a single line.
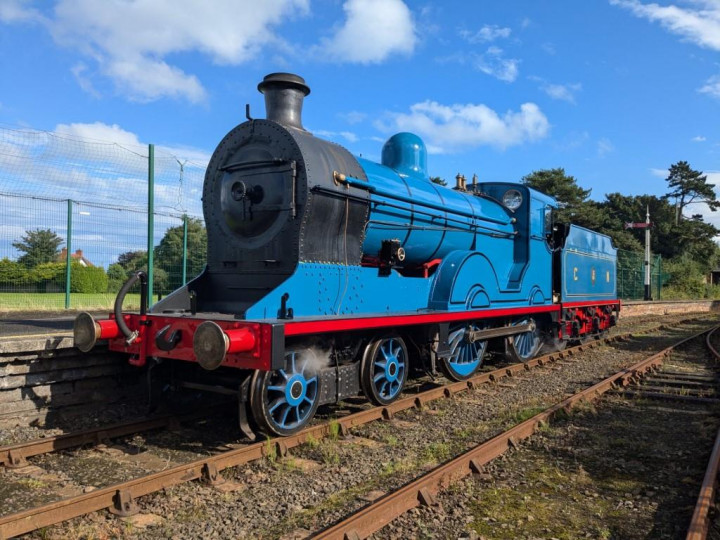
[[424, 490], [15, 455], [700, 522], [121, 497]]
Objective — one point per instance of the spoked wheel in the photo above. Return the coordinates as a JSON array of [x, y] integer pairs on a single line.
[[523, 347], [384, 368], [465, 356], [284, 401]]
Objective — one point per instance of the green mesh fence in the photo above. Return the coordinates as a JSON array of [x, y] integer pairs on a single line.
[[60, 190], [631, 275]]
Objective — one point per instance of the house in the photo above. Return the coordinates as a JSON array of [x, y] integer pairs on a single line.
[[77, 257]]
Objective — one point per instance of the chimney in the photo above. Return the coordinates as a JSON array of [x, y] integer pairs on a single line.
[[78, 253], [284, 94]]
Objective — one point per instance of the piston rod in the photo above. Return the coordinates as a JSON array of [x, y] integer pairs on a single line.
[[481, 335]]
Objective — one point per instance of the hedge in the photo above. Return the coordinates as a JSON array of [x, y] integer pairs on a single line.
[[50, 277]]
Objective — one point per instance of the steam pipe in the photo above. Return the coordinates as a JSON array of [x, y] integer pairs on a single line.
[[131, 336]]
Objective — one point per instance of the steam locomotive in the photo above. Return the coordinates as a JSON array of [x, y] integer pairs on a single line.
[[329, 275]]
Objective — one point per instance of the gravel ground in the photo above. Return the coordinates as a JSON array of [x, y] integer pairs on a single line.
[[326, 479], [622, 469]]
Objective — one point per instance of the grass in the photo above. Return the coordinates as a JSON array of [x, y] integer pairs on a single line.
[[10, 302]]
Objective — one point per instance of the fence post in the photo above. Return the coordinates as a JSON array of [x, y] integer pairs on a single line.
[[184, 256], [151, 221], [68, 257]]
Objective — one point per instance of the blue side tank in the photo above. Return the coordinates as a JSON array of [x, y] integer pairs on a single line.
[[588, 262]]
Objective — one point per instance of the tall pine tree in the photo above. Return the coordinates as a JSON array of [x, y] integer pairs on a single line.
[[689, 186]]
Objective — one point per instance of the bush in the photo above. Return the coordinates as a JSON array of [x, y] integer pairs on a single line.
[[12, 275], [48, 277], [88, 279], [686, 280], [117, 275]]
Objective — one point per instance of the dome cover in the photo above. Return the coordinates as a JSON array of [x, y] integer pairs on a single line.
[[406, 153]]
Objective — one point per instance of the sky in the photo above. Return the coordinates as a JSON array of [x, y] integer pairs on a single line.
[[613, 91]]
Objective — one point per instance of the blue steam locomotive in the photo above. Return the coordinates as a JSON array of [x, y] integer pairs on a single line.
[[329, 275]]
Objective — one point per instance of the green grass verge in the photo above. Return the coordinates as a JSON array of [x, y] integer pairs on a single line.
[[10, 302]]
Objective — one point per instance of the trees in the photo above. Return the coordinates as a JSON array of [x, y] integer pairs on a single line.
[[169, 253], [573, 203], [168, 259], [39, 246], [689, 186], [620, 209], [438, 180], [130, 262]]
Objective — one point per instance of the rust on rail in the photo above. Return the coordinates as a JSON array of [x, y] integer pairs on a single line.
[[700, 521], [376, 515], [112, 496]]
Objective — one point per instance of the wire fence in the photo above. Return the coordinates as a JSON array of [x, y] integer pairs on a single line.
[[74, 220], [61, 192], [631, 275]]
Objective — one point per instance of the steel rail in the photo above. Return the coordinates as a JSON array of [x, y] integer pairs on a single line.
[[15, 455], [424, 489], [121, 496], [700, 522]]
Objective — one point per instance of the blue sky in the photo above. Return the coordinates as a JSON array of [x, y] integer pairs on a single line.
[[614, 91]]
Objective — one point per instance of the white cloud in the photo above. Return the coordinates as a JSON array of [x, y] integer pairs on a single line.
[[373, 30], [659, 173], [353, 117], [99, 163], [452, 128], [494, 63], [144, 79], [349, 136], [335, 135], [79, 71], [711, 87], [486, 34], [700, 25], [699, 138], [130, 41], [563, 92], [18, 11], [604, 147]]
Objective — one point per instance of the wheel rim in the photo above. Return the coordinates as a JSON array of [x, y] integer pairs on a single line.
[[527, 343], [389, 365], [290, 394], [465, 357]]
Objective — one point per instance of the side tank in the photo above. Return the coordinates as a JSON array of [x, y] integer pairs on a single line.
[[427, 219], [588, 261]]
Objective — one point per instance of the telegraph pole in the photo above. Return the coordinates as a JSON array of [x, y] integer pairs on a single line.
[[648, 295], [646, 225]]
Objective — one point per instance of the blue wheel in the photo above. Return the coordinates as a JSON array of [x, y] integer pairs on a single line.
[[383, 370], [465, 356], [523, 347], [284, 401]]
